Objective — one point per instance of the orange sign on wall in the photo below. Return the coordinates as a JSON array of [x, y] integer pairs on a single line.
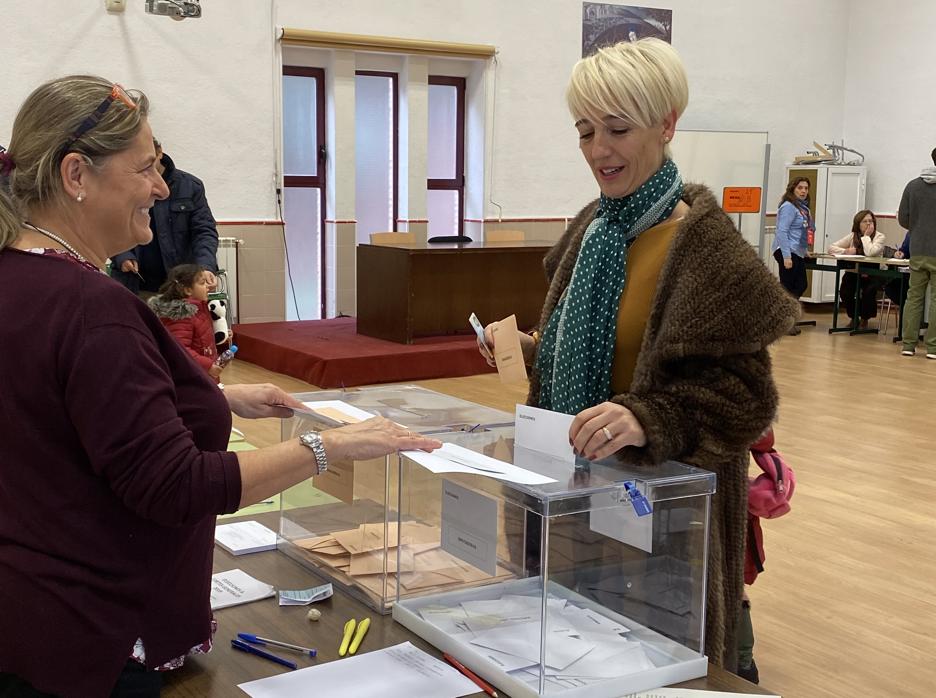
[[741, 199]]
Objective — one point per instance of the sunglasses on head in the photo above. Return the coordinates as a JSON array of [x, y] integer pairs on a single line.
[[117, 93]]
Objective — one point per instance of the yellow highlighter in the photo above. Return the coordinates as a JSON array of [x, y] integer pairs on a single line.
[[359, 636], [346, 638]]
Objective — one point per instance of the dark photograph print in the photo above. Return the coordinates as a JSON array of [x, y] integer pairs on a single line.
[[604, 24]]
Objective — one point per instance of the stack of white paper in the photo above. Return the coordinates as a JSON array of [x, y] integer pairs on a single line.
[[245, 537]]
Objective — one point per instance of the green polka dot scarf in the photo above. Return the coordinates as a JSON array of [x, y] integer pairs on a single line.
[[577, 348]]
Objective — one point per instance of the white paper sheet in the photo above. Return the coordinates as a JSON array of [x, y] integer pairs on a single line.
[[469, 526], [849, 256], [303, 597], [691, 693], [236, 587], [456, 459], [355, 414], [607, 663], [244, 537], [523, 640], [402, 671], [584, 620], [622, 523], [544, 430]]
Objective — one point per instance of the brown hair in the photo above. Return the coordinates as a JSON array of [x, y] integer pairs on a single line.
[[856, 229], [179, 279], [788, 195], [42, 132]]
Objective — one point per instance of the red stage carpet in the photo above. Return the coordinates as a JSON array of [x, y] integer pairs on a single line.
[[331, 354]]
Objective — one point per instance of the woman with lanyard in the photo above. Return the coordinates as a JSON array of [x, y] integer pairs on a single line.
[[656, 325], [795, 231]]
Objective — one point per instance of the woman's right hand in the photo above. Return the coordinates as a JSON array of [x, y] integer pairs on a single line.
[[787, 263], [898, 255], [527, 345], [373, 438]]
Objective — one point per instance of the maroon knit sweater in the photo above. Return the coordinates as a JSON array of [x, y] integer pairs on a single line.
[[112, 470]]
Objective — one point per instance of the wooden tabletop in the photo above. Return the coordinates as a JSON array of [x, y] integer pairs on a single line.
[[473, 245], [218, 673]]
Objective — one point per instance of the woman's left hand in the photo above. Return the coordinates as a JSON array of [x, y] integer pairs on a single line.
[[253, 401], [604, 429], [211, 280]]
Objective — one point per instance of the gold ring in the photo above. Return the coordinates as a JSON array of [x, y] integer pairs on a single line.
[[608, 435]]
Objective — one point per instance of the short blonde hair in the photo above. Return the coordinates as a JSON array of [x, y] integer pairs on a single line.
[[640, 82], [42, 132]]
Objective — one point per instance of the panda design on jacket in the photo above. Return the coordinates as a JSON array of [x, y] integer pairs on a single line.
[[217, 308]]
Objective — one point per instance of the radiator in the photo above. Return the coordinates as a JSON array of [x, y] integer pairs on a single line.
[[227, 274]]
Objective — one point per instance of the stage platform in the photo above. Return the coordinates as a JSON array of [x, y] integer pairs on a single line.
[[331, 354]]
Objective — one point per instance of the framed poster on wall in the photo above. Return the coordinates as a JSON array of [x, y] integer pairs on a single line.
[[604, 24]]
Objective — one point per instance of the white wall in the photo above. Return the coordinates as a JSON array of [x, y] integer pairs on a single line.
[[751, 67], [210, 82], [890, 100], [751, 63]]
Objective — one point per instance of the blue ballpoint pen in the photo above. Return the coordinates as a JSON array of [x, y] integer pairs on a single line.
[[244, 647], [257, 640]]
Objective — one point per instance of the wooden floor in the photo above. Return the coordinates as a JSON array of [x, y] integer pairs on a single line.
[[846, 607]]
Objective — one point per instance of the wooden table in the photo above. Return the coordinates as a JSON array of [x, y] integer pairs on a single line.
[[218, 673], [419, 290], [872, 266]]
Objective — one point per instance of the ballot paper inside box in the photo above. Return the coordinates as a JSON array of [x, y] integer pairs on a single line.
[[346, 525], [561, 588]]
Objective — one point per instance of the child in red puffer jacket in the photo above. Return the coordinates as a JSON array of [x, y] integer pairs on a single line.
[[182, 305]]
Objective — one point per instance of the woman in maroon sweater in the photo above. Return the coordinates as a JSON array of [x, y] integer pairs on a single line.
[[112, 439]]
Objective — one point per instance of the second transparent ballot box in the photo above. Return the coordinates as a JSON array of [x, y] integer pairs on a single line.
[[559, 587], [344, 524]]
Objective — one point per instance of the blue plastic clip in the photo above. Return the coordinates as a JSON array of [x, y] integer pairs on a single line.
[[641, 505]]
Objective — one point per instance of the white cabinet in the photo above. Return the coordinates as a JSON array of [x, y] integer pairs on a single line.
[[836, 194]]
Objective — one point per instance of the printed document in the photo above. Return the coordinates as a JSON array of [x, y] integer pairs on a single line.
[[236, 587], [402, 671]]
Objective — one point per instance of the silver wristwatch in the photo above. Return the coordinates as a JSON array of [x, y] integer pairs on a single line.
[[313, 440]]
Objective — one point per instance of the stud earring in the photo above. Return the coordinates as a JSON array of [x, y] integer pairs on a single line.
[[80, 197]]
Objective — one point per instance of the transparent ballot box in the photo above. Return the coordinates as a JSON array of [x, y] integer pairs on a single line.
[[345, 523], [555, 588]]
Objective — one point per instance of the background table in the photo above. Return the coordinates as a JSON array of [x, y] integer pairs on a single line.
[[420, 290], [872, 266], [218, 673]]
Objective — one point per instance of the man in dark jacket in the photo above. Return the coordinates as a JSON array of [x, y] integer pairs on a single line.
[[183, 228], [917, 213]]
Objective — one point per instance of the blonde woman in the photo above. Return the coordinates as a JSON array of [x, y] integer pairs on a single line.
[[112, 439], [658, 317]]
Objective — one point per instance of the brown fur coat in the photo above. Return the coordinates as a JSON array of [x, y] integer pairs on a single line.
[[702, 388]]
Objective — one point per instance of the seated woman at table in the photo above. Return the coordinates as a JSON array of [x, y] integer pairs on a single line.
[[656, 327], [864, 239]]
